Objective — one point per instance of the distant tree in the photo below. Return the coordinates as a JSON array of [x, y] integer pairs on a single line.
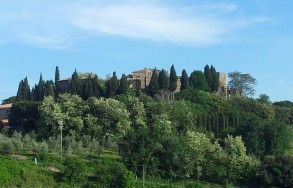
[[154, 84], [173, 79], [87, 88], [57, 84], [265, 99], [163, 80], [285, 104], [208, 75], [23, 92], [39, 89], [97, 86], [242, 83], [23, 116], [114, 83], [123, 85], [75, 85], [49, 88], [12, 99], [215, 79], [184, 80], [197, 81], [109, 90]]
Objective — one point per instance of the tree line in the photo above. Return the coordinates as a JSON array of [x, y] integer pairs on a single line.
[[89, 85], [200, 135]]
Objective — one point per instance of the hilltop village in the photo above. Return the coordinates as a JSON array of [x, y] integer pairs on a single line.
[[153, 128]]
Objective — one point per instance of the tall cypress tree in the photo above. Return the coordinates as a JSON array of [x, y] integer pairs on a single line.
[[49, 88], [97, 91], [57, 84], [184, 80], [114, 83], [208, 75], [26, 94], [154, 84], [215, 80], [109, 90], [163, 80], [123, 85], [40, 89], [87, 88], [19, 94], [173, 79], [75, 85]]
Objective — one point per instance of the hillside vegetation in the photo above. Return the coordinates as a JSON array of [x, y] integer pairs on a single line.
[[131, 139]]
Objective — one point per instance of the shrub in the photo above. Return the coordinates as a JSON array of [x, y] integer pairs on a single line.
[[74, 171], [114, 175]]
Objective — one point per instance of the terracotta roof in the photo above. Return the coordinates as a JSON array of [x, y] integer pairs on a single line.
[[5, 120], [6, 106], [142, 70]]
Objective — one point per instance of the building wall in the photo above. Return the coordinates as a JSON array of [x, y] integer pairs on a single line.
[[222, 82], [4, 112]]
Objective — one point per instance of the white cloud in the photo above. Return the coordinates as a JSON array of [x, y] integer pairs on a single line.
[[58, 24]]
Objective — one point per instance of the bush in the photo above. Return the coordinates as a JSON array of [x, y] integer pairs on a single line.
[[74, 171], [114, 175]]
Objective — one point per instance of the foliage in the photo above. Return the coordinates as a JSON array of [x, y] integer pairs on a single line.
[[108, 118], [22, 174], [264, 111], [184, 80], [197, 81], [154, 87], [123, 85], [74, 171], [24, 116], [110, 174], [263, 98], [75, 85], [23, 92], [163, 80], [173, 79], [242, 83], [277, 171]]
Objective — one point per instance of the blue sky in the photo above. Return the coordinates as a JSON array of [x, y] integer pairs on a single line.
[[102, 36]]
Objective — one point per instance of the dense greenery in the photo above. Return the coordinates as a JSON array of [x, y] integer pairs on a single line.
[[199, 136]]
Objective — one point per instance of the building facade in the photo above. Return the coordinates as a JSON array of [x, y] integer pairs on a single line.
[[4, 112]]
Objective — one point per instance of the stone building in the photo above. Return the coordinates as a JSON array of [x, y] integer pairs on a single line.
[[141, 78], [4, 112]]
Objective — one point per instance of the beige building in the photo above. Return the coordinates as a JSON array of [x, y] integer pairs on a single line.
[[222, 82], [4, 112], [141, 78]]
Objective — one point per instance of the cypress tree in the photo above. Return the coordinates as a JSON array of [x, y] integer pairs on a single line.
[[49, 88], [208, 75], [154, 84], [215, 79], [114, 83], [19, 94], [96, 86], [57, 84], [109, 90], [184, 80], [40, 89], [87, 89], [75, 85], [26, 94], [123, 85], [163, 80], [173, 79]]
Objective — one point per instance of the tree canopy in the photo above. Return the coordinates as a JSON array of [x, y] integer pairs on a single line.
[[242, 83]]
